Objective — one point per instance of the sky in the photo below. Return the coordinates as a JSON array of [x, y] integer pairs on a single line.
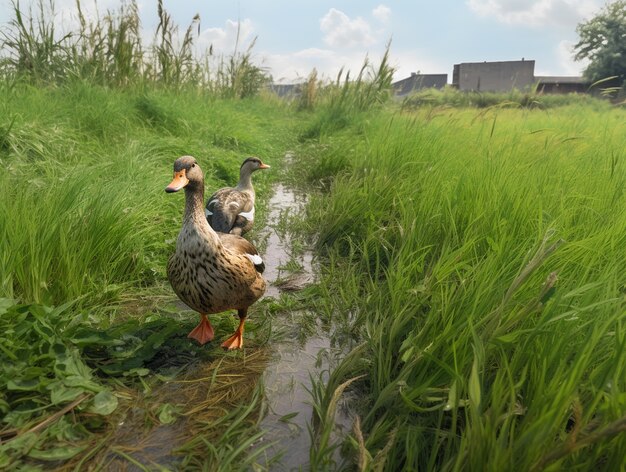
[[292, 36]]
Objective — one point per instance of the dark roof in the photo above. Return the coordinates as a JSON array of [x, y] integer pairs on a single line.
[[522, 61], [284, 90], [557, 79], [418, 82]]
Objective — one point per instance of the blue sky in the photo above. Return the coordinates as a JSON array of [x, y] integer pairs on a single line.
[[293, 37]]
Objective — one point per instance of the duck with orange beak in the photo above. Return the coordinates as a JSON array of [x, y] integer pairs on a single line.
[[211, 272]]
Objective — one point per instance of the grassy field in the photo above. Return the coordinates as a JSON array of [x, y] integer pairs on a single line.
[[477, 282], [472, 276]]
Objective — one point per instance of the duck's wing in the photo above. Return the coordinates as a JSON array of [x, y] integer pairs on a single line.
[[218, 214], [245, 218], [229, 209], [242, 246]]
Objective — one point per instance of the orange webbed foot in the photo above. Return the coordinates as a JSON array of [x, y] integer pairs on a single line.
[[203, 333], [234, 342]]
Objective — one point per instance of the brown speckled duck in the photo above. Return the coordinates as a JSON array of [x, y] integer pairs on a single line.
[[211, 272], [231, 209]]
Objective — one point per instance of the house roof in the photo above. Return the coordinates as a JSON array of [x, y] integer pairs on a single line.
[[559, 79]]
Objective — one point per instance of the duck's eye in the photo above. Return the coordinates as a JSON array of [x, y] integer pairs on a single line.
[[193, 165]]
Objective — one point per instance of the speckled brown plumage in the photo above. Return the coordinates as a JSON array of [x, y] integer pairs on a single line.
[[231, 209], [209, 271]]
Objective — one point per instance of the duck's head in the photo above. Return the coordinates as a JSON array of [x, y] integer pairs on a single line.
[[187, 173], [251, 164]]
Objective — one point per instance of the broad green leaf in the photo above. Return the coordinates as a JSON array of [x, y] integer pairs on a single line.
[[139, 372], [59, 393], [24, 385], [167, 413], [104, 403], [85, 336], [5, 304]]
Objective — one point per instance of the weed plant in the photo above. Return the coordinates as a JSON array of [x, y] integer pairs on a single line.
[[476, 276]]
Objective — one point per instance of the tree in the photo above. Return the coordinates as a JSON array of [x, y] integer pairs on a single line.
[[603, 43]]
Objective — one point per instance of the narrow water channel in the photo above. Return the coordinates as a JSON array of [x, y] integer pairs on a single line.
[[287, 376]]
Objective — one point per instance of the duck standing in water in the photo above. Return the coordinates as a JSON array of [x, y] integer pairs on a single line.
[[231, 209], [211, 272]]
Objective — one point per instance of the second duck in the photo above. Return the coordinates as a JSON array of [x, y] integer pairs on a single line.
[[231, 209]]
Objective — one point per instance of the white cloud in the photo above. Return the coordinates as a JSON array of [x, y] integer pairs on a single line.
[[567, 13], [565, 57], [315, 54], [296, 66], [342, 32], [408, 61], [563, 63], [382, 13], [349, 42], [225, 39]]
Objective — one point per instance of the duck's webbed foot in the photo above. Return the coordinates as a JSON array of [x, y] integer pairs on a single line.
[[236, 340], [203, 333]]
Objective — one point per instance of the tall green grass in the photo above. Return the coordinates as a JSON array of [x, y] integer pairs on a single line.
[[348, 99], [109, 50], [476, 276], [86, 226], [83, 208]]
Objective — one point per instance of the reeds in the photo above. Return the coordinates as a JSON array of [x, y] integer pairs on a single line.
[[108, 50], [345, 101]]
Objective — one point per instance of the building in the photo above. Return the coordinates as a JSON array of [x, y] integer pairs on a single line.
[[286, 90], [560, 84], [418, 82], [494, 76]]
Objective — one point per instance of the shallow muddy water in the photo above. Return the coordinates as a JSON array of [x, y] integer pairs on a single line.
[[287, 376], [284, 204]]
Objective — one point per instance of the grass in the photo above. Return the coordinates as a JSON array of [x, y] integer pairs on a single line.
[[84, 190], [476, 277]]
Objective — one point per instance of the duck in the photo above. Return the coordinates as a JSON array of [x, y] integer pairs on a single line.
[[211, 272], [231, 209]]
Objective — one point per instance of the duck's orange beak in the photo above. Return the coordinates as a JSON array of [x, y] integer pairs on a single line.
[[263, 166], [179, 181]]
